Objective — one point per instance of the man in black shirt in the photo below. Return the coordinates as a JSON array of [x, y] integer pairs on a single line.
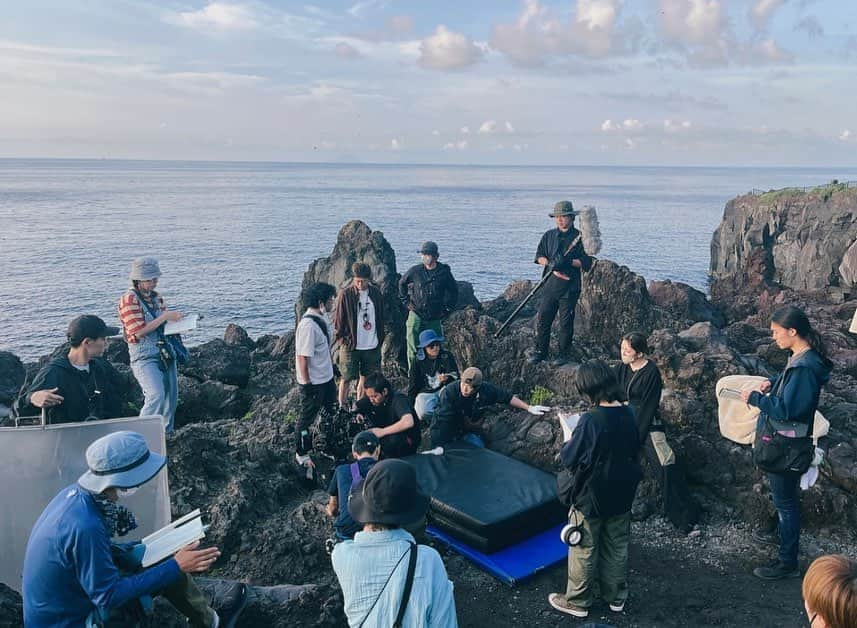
[[429, 292], [389, 416], [563, 248], [459, 408], [80, 385]]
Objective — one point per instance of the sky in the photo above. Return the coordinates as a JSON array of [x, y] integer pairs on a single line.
[[528, 82]]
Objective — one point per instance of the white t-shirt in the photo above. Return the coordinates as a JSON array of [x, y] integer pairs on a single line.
[[366, 338], [311, 343]]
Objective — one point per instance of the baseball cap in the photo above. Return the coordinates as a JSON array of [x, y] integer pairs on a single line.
[[472, 376], [89, 326]]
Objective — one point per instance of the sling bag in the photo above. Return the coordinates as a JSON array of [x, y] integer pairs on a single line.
[[406, 592]]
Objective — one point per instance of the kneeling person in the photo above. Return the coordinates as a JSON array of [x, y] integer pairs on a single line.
[[366, 449], [460, 406], [390, 417]]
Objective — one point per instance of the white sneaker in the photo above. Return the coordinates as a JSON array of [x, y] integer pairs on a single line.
[[558, 601], [617, 607]]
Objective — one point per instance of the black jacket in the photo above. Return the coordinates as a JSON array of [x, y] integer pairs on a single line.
[[642, 391], [432, 294], [424, 371], [602, 456], [453, 407], [85, 395], [553, 245]]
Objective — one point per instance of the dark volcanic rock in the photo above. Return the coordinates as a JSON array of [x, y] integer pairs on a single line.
[[235, 335], [684, 304], [208, 401], [11, 608], [356, 242], [219, 361], [12, 374]]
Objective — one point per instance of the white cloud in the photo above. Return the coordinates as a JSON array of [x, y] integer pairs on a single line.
[[395, 144], [769, 51], [462, 145], [359, 8], [218, 16], [539, 33], [465, 130], [694, 22], [346, 51], [447, 51], [509, 128], [632, 124], [671, 126], [488, 127], [630, 144], [762, 11], [846, 135], [435, 132], [609, 125]]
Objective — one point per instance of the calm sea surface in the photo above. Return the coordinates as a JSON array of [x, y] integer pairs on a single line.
[[234, 239]]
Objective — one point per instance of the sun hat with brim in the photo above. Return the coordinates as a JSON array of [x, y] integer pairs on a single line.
[[120, 460], [563, 208], [427, 337], [389, 495], [144, 269]]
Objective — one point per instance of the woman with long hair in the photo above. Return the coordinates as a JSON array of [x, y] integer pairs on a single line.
[[790, 398], [641, 383]]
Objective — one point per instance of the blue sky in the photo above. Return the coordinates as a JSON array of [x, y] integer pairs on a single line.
[[696, 82]]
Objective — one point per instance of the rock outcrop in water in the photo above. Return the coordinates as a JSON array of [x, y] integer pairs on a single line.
[[232, 457]]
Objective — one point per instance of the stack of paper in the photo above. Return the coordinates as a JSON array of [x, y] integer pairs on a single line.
[[170, 539], [568, 422], [187, 323]]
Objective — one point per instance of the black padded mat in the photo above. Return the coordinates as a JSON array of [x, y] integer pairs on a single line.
[[486, 499]]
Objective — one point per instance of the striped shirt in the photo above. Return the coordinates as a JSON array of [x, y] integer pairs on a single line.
[[131, 314]]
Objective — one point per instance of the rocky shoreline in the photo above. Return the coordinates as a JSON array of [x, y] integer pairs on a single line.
[[232, 456]]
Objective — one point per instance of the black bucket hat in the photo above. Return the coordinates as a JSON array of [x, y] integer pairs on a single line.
[[429, 248], [389, 495]]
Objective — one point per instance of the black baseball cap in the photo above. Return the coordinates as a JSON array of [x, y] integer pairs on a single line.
[[365, 443], [429, 248], [89, 326]]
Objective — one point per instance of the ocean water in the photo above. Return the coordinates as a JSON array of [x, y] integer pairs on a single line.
[[234, 239]]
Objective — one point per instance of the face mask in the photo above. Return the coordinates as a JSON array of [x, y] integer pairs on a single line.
[[124, 493]]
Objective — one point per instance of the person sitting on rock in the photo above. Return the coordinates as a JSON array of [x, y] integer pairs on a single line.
[[313, 366], [80, 385], [641, 382], [433, 369], [75, 576], [359, 321], [460, 406], [602, 458], [383, 561], [366, 450], [429, 292], [389, 415]]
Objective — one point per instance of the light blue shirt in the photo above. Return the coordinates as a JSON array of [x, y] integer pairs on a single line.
[[363, 565]]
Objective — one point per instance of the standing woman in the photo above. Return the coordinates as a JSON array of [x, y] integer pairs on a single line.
[[143, 315], [791, 397], [641, 383]]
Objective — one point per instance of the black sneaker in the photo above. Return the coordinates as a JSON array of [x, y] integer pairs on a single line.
[[228, 601], [777, 570]]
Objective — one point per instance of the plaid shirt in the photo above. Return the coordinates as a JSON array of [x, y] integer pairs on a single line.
[[131, 314]]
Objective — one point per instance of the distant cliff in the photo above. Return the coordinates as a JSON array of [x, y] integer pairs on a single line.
[[791, 238]]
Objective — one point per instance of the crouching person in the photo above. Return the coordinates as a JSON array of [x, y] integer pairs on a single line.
[[74, 576], [386, 578], [601, 473], [390, 416], [366, 450]]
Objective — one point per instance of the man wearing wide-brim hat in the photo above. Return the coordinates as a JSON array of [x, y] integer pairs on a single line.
[[373, 568], [561, 252], [73, 574]]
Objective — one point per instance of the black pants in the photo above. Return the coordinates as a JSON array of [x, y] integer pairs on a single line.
[[400, 445], [443, 432], [314, 397], [556, 296]]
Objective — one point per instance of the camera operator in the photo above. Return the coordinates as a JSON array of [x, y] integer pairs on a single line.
[[391, 417]]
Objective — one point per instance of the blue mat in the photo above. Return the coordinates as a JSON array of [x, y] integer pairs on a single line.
[[517, 562]]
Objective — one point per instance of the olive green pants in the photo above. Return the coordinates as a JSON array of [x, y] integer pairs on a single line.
[[413, 326], [601, 558]]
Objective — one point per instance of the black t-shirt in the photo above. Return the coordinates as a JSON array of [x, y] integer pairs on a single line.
[[395, 406]]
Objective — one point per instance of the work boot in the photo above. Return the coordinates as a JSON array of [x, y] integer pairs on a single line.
[[777, 570], [228, 601]]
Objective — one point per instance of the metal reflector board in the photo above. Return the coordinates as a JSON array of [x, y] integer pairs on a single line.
[[37, 462]]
